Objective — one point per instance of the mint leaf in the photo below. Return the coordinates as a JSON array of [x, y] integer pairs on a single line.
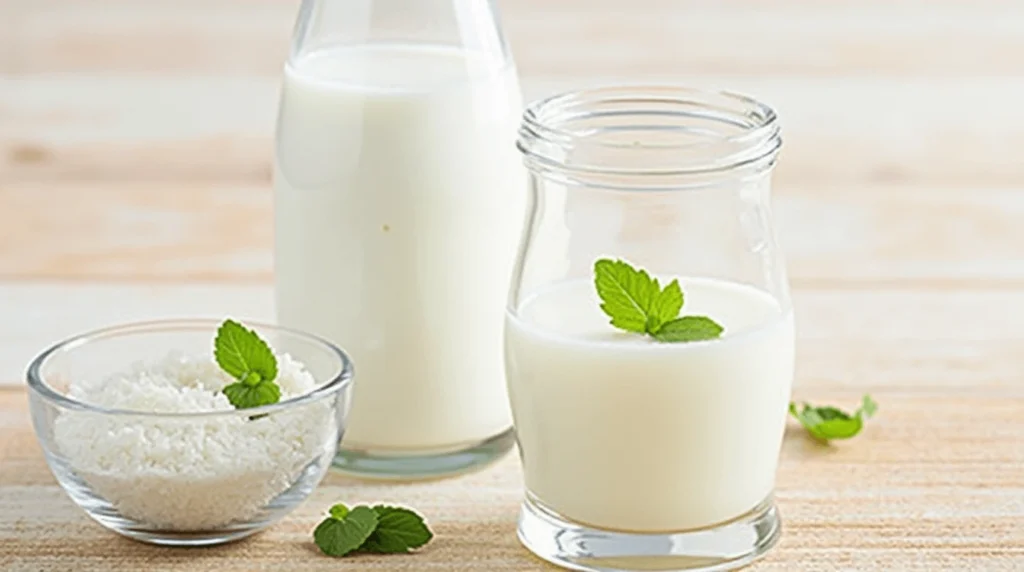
[[666, 306], [339, 536], [339, 511], [240, 352], [243, 355], [380, 530], [245, 396], [626, 294], [868, 407], [828, 423], [688, 329], [398, 531], [635, 302]]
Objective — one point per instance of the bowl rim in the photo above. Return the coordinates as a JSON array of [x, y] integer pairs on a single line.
[[39, 386]]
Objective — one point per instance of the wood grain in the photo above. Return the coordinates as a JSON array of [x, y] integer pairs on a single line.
[[958, 341], [167, 232], [135, 144], [928, 486], [748, 38], [865, 131]]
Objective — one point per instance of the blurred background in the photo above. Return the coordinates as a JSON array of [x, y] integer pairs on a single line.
[[135, 144]]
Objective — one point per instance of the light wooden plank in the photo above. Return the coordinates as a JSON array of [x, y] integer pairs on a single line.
[[930, 485], [895, 236], [175, 232], [907, 234], [896, 341], [825, 38], [556, 37], [857, 130], [151, 35], [155, 128], [35, 315]]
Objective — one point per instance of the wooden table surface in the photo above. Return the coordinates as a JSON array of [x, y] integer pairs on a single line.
[[134, 160]]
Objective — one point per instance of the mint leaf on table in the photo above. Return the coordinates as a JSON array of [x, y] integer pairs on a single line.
[[868, 407], [398, 531], [378, 530], [688, 329], [243, 355], [637, 303], [828, 423], [345, 530]]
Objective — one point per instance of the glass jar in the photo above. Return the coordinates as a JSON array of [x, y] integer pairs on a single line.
[[398, 205], [641, 450]]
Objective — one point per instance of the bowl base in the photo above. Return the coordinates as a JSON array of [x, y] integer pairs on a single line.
[[370, 465], [182, 539], [105, 513], [727, 546]]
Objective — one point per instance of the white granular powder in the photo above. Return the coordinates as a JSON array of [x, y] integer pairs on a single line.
[[191, 474]]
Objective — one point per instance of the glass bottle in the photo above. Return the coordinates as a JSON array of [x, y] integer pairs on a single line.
[[641, 452], [398, 205]]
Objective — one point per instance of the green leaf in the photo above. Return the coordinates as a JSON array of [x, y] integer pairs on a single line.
[[626, 294], [688, 329], [635, 302], [666, 306], [837, 428], [339, 511], [398, 531], [245, 396], [868, 407], [240, 352], [243, 355], [340, 536], [828, 423]]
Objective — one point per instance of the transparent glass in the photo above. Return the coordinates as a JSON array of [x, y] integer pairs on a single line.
[[640, 454], [109, 464], [398, 203]]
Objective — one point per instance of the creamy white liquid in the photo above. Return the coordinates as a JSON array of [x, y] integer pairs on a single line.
[[399, 198], [619, 431]]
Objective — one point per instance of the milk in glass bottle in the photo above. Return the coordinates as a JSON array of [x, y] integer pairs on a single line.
[[398, 201]]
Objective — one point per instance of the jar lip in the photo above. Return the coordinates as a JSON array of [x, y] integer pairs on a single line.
[[754, 138]]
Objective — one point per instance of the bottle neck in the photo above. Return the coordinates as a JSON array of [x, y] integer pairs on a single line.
[[470, 25]]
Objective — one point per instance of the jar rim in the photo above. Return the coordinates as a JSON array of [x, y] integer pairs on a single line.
[[700, 132]]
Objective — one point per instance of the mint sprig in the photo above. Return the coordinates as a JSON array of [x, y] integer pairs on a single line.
[[380, 530], [828, 423], [688, 329], [398, 531], [345, 530], [637, 303], [243, 355]]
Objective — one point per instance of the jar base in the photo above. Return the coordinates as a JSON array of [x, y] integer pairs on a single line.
[[726, 546], [389, 466]]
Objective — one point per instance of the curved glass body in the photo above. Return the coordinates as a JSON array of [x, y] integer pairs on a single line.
[[630, 444], [398, 205]]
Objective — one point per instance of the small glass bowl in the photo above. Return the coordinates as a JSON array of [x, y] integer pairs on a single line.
[[193, 478]]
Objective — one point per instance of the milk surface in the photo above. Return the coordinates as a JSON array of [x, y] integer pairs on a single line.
[[619, 431], [399, 198]]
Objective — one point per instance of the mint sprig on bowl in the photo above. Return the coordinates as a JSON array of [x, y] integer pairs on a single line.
[[243, 355]]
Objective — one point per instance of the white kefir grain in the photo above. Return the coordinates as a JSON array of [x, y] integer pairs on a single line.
[[190, 473]]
